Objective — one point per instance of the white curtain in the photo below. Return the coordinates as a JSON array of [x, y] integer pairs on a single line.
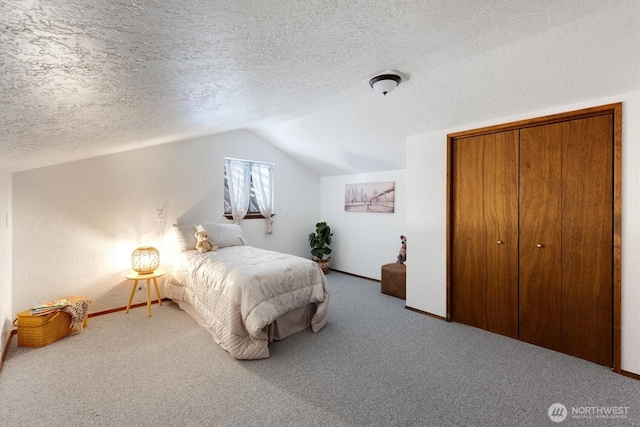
[[262, 175], [239, 183]]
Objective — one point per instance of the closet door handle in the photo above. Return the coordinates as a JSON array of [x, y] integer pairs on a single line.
[[539, 245], [499, 242]]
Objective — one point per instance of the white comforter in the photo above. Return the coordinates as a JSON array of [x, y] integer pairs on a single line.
[[239, 290]]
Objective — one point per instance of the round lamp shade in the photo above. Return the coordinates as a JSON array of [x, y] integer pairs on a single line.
[[145, 260]]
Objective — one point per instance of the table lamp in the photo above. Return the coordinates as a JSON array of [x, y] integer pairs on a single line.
[[145, 259]]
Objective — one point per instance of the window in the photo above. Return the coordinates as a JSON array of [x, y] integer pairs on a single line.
[[248, 186]]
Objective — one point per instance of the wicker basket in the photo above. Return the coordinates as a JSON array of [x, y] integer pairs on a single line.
[[39, 331]]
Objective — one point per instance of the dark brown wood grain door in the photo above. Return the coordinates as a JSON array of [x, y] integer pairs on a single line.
[[500, 269], [587, 238], [540, 236], [467, 231], [551, 188]]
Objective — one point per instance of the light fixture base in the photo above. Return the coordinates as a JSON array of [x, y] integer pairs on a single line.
[[384, 83]]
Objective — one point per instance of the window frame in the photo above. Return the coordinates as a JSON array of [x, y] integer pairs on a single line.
[[250, 214]]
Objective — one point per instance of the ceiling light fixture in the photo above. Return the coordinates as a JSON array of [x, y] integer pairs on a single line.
[[384, 83]]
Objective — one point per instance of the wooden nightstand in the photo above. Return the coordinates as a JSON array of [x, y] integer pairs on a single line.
[[135, 277]]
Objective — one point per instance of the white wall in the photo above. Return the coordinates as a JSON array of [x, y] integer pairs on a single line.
[[631, 234], [363, 242], [592, 61], [426, 222], [5, 257], [426, 217], [76, 224]]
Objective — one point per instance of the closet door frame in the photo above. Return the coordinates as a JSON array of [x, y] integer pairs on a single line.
[[616, 111]]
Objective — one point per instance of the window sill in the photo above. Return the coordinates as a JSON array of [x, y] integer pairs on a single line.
[[248, 216]]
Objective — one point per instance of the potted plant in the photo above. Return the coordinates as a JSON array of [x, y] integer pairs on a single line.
[[319, 242]]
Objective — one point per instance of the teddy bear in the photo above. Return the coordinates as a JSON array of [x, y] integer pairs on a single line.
[[203, 243], [402, 256]]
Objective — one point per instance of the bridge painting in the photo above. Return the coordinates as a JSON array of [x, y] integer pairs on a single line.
[[370, 197]]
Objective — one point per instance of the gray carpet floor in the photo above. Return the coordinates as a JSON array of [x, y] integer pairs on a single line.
[[374, 364]]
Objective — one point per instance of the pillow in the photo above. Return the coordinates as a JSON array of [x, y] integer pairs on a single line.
[[185, 236], [224, 235]]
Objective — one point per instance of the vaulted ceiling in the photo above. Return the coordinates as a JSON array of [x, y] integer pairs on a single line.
[[81, 78]]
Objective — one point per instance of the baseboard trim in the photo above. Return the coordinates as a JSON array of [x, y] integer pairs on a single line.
[[5, 349], [355, 275], [123, 308], [630, 375], [426, 313]]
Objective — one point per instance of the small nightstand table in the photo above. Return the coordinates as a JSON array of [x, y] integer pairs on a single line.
[[135, 277]]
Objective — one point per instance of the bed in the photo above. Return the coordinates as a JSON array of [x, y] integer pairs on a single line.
[[245, 296]]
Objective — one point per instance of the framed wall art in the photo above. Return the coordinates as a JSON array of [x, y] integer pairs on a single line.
[[370, 197]]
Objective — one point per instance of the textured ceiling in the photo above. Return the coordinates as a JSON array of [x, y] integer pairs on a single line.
[[82, 78]]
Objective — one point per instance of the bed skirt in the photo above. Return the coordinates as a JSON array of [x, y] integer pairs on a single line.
[[287, 324]]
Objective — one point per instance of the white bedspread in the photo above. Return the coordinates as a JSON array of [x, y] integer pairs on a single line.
[[239, 290]]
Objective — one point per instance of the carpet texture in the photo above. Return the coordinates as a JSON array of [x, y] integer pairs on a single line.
[[374, 364]]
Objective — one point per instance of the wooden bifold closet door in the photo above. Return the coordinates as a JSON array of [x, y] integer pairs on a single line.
[[532, 232], [485, 212], [541, 240], [566, 229]]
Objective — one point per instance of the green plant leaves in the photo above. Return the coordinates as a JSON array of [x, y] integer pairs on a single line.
[[319, 241]]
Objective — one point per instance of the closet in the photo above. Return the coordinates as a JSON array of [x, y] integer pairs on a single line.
[[533, 231]]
